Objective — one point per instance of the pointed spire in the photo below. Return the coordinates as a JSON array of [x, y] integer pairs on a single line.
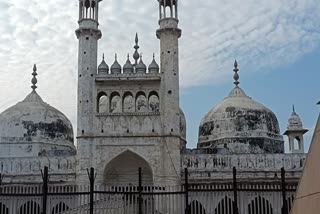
[[293, 109], [136, 53], [34, 79], [116, 67], [236, 75], [128, 67], [153, 67], [103, 67], [141, 67]]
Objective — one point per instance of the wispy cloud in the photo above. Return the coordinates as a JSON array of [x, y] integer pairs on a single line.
[[261, 34]]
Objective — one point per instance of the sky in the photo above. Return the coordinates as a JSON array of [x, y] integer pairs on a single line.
[[276, 43]]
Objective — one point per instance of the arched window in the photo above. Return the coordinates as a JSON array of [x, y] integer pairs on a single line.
[[128, 102], [115, 103], [141, 102], [59, 208], [30, 207], [260, 205], [102, 102], [195, 207], [154, 104], [225, 206], [3, 209]]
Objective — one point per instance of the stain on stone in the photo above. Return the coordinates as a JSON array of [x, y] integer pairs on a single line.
[[57, 129], [206, 129]]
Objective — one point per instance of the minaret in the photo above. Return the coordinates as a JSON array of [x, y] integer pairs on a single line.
[[169, 33], [88, 35], [295, 132]]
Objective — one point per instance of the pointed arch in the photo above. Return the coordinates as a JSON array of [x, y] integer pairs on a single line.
[[128, 102], [225, 206], [102, 102], [260, 205], [195, 207], [123, 170], [141, 102], [59, 208], [153, 101], [30, 207], [115, 102]]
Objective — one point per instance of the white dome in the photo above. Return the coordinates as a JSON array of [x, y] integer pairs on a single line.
[[34, 122], [238, 124]]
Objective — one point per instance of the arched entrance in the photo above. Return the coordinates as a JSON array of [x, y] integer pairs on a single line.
[[123, 170]]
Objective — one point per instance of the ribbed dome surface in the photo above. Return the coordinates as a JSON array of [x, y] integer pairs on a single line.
[[33, 120], [238, 124]]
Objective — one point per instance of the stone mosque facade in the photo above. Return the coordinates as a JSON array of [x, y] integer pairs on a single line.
[[129, 116]]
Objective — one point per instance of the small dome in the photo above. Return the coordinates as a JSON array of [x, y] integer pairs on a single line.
[[33, 121], [128, 67], [141, 68], [153, 67], [294, 122], [103, 67], [115, 67]]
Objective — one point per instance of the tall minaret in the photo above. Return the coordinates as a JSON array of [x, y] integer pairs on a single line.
[[295, 132], [88, 35], [169, 33]]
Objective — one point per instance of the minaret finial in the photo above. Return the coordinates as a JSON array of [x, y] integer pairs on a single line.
[[236, 75], [103, 56], [34, 79], [293, 109], [116, 57], [136, 53], [153, 55]]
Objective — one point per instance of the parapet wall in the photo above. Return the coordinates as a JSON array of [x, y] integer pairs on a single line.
[[258, 166]]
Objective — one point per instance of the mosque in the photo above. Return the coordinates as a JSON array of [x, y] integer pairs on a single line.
[[129, 117]]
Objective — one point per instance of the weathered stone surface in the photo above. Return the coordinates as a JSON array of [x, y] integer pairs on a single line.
[[238, 124]]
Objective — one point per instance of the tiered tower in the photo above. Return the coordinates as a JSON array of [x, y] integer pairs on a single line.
[[129, 116]]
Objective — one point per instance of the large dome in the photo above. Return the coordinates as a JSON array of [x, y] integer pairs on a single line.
[[37, 127], [238, 124]]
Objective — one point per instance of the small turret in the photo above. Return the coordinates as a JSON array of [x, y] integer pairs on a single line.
[[153, 67], [141, 68], [115, 67], [128, 67], [295, 132], [103, 67]]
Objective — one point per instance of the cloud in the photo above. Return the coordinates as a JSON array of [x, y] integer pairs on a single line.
[[260, 34]]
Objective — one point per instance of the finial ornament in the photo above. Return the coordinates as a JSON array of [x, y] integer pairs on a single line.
[[103, 56], [236, 75], [34, 79], [293, 109], [136, 47]]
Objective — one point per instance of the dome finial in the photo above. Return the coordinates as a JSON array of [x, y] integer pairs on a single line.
[[103, 56], [34, 79], [293, 109], [136, 47], [236, 75]]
